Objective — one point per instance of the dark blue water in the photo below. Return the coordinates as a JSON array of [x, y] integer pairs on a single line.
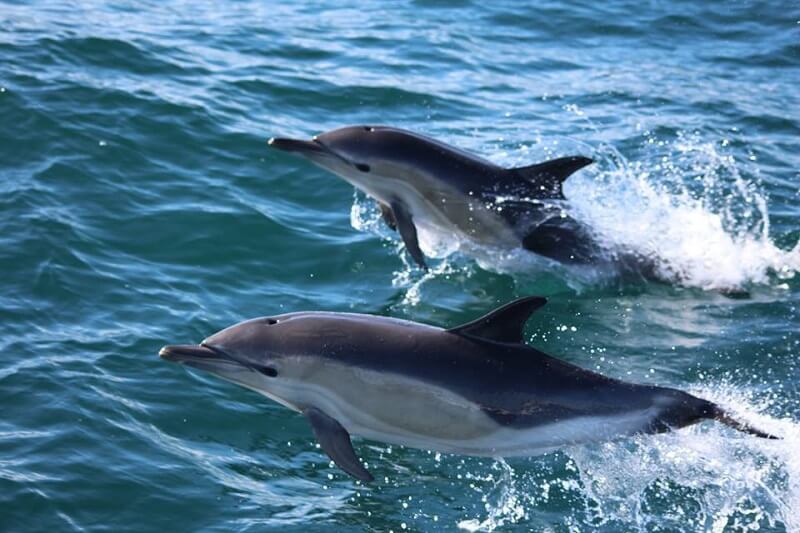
[[140, 205]]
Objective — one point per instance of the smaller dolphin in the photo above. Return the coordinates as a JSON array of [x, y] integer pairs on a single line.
[[475, 389], [419, 181]]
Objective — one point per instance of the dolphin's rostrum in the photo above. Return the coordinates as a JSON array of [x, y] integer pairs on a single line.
[[476, 389], [419, 181]]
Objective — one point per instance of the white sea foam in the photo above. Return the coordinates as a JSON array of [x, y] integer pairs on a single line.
[[689, 212]]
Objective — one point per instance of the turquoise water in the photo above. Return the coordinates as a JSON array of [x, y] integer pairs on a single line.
[[140, 205]]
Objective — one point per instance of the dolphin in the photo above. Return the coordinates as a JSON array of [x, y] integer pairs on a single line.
[[475, 389], [422, 182]]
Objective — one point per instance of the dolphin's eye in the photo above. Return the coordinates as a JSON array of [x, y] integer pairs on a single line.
[[268, 371], [362, 167], [369, 128], [271, 321]]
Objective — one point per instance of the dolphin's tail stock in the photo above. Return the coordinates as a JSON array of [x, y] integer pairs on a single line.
[[690, 410], [719, 414]]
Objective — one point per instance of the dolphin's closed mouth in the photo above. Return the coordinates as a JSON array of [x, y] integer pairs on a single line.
[[312, 147], [297, 145], [209, 358], [187, 352]]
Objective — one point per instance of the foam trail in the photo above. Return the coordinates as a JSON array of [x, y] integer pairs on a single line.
[[711, 234]]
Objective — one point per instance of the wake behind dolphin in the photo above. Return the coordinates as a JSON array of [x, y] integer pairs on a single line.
[[475, 389], [419, 181]]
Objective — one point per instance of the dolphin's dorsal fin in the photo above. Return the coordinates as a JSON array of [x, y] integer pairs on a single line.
[[505, 324], [547, 177]]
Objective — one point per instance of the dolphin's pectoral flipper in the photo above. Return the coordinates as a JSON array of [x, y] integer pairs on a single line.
[[550, 175], [335, 441], [505, 324], [388, 216], [408, 232]]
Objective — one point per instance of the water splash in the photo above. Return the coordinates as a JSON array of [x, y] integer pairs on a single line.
[[502, 501], [687, 209], [705, 477], [365, 216], [726, 480]]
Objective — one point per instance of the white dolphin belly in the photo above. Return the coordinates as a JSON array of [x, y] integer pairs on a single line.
[[387, 407]]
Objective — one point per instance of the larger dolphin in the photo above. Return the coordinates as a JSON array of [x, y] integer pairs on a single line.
[[419, 181], [475, 389]]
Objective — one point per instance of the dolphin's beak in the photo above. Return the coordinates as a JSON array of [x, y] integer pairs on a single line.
[[296, 145], [180, 353]]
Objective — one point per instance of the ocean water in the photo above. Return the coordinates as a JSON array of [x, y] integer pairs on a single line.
[[140, 205]]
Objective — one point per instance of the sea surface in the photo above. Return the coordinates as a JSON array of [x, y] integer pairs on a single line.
[[140, 205]]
